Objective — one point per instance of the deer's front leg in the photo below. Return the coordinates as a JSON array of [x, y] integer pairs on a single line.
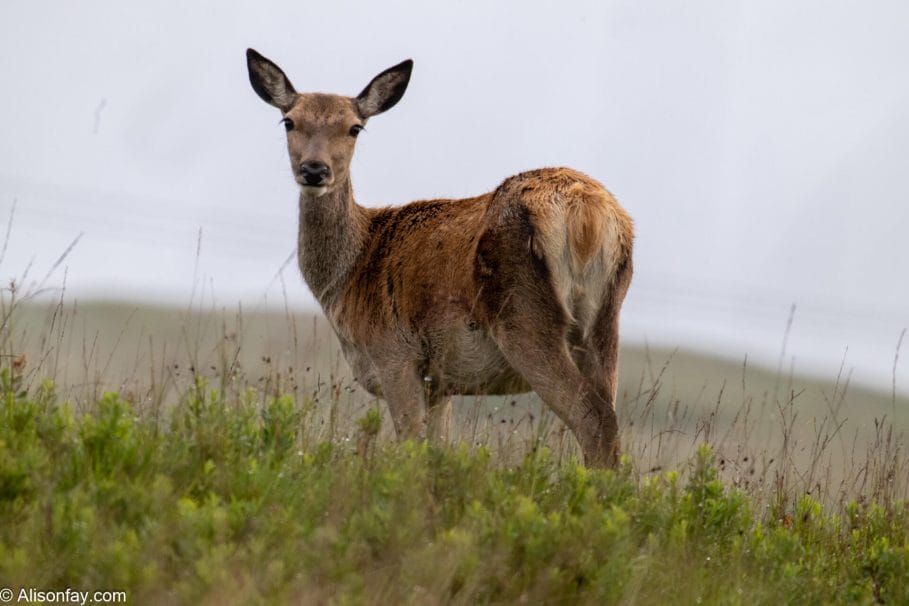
[[402, 389], [439, 419]]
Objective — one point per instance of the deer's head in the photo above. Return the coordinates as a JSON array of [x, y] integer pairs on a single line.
[[321, 128]]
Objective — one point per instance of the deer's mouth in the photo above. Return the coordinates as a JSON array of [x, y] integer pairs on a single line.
[[312, 190]]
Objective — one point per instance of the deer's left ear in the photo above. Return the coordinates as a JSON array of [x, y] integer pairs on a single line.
[[385, 90]]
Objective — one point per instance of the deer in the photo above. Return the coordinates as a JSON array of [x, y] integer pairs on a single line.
[[514, 290]]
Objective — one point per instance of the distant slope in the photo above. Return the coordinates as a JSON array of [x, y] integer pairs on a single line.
[[668, 401]]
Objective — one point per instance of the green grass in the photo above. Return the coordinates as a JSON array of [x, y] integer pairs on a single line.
[[831, 439], [205, 456], [226, 498]]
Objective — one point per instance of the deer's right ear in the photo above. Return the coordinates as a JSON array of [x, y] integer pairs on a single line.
[[269, 81]]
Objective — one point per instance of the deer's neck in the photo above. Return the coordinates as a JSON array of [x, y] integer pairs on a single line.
[[333, 230]]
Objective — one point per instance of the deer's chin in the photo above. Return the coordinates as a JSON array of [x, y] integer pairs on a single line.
[[313, 191]]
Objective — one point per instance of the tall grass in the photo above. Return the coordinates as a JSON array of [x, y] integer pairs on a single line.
[[235, 502], [229, 458], [777, 437]]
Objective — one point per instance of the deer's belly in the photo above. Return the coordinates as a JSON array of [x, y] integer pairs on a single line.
[[461, 361], [470, 363]]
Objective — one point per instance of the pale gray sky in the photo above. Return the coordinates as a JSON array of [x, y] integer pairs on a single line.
[[762, 148]]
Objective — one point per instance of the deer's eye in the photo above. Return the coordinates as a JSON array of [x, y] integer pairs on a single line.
[[355, 130], [288, 124]]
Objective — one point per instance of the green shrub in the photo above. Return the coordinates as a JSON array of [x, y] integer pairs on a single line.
[[227, 502]]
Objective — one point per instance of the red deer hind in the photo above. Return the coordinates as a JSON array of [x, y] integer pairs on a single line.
[[514, 290]]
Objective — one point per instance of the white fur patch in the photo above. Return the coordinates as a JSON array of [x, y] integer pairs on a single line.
[[313, 190]]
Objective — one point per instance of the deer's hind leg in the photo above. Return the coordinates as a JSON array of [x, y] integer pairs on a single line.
[[543, 359], [597, 352], [531, 327]]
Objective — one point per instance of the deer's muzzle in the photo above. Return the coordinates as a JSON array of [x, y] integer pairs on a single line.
[[315, 173]]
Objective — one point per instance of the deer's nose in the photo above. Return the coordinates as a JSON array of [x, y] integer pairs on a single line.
[[314, 173]]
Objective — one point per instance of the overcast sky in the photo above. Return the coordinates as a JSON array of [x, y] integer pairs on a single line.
[[761, 147]]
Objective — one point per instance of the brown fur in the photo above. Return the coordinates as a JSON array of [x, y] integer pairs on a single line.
[[513, 290]]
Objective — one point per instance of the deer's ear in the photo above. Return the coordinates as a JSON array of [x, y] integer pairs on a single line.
[[385, 90], [269, 81]]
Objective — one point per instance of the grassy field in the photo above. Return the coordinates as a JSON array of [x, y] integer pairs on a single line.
[[204, 456], [826, 437]]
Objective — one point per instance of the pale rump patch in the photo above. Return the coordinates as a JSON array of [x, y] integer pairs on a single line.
[[583, 233]]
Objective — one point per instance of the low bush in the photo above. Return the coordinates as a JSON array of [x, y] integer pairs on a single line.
[[221, 501]]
